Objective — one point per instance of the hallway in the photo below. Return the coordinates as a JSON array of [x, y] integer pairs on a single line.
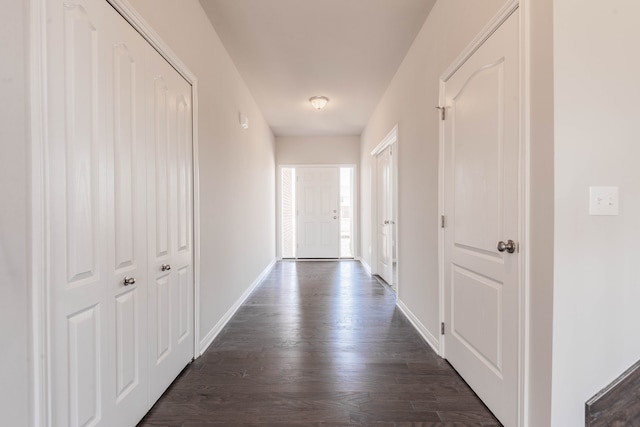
[[319, 344]]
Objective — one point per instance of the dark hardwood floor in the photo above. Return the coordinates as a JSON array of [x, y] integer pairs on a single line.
[[319, 344]]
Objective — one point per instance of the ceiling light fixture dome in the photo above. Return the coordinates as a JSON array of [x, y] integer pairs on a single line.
[[318, 102]]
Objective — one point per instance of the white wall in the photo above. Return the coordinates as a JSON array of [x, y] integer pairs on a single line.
[[541, 213], [237, 167], [597, 142], [14, 400], [307, 150], [409, 101]]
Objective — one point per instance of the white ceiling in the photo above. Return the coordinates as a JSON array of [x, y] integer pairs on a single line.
[[290, 50]]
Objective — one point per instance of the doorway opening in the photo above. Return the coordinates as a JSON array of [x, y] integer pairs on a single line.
[[304, 202], [385, 210]]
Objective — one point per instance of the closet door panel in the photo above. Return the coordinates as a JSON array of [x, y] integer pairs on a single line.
[[158, 219], [82, 144], [159, 181], [77, 36], [127, 255], [170, 221]]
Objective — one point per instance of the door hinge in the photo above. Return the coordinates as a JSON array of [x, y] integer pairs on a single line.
[[442, 111], [442, 221], [442, 328]]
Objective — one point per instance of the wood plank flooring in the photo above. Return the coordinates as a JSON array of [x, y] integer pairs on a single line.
[[319, 344]]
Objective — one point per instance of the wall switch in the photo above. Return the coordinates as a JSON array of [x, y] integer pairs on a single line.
[[603, 200]]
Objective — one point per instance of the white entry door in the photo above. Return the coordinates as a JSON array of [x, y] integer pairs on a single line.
[[318, 192], [384, 215], [170, 224], [482, 289]]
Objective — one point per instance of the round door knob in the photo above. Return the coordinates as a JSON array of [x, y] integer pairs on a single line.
[[509, 247], [166, 267], [387, 222], [129, 281]]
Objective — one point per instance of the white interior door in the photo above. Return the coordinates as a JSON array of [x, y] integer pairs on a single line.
[[384, 216], [97, 213], [80, 309], [318, 193], [128, 397], [482, 208], [170, 223]]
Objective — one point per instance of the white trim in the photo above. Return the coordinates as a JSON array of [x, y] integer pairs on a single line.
[[524, 187], [422, 330], [141, 26], [441, 210], [525, 204], [213, 333], [39, 334], [366, 266], [503, 14], [390, 139], [39, 372], [196, 215]]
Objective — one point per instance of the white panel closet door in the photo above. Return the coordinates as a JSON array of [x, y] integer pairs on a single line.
[[318, 193], [170, 223], [78, 143], [97, 214], [120, 126], [127, 386]]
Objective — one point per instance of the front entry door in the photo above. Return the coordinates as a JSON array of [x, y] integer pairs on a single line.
[[318, 212], [481, 272], [385, 259]]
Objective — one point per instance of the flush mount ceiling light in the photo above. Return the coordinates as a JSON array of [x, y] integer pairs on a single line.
[[318, 102]]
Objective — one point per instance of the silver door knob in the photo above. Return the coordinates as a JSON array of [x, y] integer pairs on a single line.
[[129, 281], [166, 267], [335, 217], [510, 246], [387, 222]]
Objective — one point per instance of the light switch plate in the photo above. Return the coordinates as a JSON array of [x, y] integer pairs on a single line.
[[603, 200]]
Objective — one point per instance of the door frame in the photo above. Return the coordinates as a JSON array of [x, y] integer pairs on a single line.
[[355, 213], [39, 283], [524, 188], [390, 140]]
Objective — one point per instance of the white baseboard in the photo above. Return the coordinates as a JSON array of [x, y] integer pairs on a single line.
[[366, 266], [422, 330], [213, 333]]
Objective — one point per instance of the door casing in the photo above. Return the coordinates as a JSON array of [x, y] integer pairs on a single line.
[[390, 140]]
